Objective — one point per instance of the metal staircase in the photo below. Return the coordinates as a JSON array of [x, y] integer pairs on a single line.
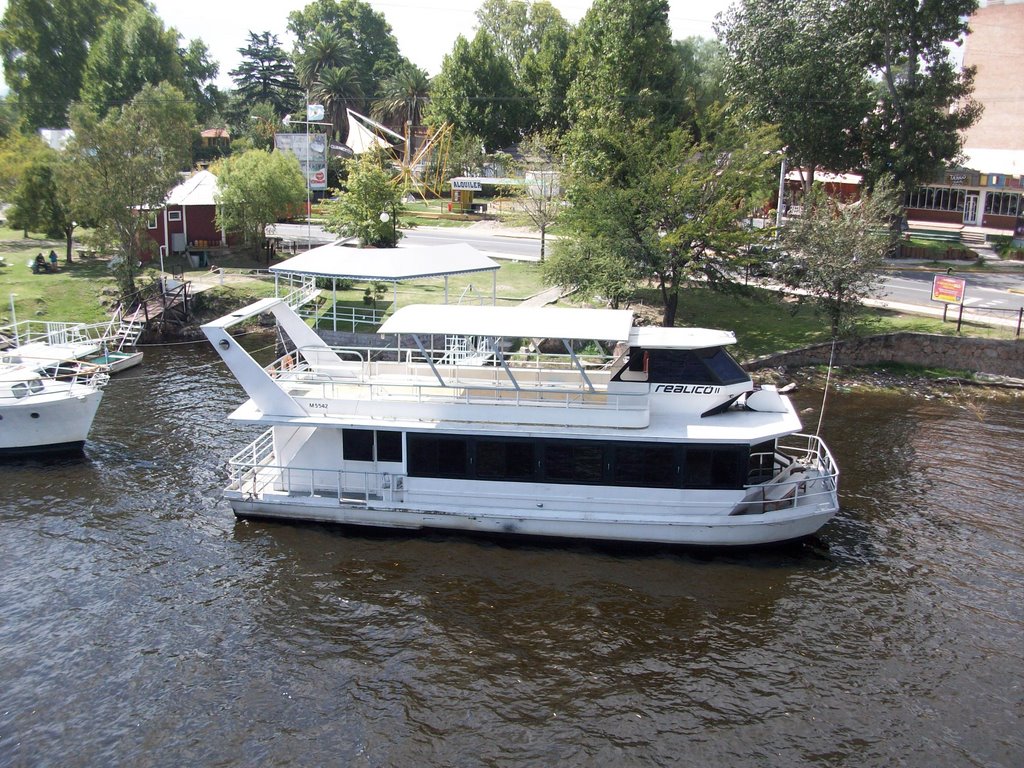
[[128, 329]]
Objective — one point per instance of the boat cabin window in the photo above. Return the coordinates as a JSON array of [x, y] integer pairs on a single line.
[[570, 461], [505, 459], [708, 467], [438, 456], [643, 465], [360, 445], [578, 462]]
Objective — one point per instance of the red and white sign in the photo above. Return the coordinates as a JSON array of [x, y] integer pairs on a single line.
[[948, 289]]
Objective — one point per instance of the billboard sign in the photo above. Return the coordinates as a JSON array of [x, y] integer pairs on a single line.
[[311, 151], [948, 289]]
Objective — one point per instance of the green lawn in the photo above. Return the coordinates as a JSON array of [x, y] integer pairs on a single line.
[[763, 321], [78, 292]]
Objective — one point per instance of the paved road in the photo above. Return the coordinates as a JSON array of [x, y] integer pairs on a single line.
[[496, 245], [984, 291]]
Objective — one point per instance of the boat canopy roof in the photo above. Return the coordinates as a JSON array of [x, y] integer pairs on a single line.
[[547, 323], [389, 265], [527, 322], [658, 337]]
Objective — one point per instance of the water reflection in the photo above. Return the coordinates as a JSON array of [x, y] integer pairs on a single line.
[[144, 624]]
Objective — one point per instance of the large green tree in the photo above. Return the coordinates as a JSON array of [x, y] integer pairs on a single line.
[[45, 44], [369, 205], [672, 211], [121, 165], [255, 189], [374, 50], [131, 51], [867, 85], [801, 65], [535, 40], [835, 251], [924, 103], [476, 92], [136, 49], [626, 72], [40, 204], [265, 74]]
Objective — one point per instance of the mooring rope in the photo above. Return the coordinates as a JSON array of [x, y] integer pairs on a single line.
[[824, 395]]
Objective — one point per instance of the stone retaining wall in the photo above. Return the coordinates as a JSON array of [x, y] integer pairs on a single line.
[[997, 357]]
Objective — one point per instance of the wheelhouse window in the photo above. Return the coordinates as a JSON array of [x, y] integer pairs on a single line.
[[694, 366]]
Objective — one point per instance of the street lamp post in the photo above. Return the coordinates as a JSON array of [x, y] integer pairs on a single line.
[[385, 217], [309, 213]]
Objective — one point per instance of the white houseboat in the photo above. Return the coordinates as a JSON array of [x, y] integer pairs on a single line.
[[666, 441]]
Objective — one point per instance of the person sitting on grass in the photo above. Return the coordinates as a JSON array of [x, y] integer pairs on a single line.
[[40, 265]]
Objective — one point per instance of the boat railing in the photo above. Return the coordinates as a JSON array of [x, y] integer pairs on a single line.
[[54, 332], [253, 472], [69, 376], [804, 475], [463, 391]]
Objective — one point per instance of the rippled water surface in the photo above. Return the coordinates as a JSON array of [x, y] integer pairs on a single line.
[[140, 624]]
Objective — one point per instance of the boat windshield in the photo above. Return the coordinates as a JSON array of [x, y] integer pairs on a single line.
[[693, 366]]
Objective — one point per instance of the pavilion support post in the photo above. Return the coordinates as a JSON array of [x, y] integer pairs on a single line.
[[579, 365]]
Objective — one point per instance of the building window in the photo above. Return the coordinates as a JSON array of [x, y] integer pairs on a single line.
[[936, 199], [1003, 203], [152, 223], [174, 215]]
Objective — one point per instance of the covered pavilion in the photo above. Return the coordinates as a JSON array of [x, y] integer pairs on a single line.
[[336, 261]]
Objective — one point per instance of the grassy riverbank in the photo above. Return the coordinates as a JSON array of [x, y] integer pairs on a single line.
[[764, 321]]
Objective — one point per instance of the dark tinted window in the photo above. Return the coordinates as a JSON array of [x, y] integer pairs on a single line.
[[504, 459], [678, 366], [389, 446], [715, 467], [437, 456], [573, 462], [652, 466], [724, 368], [357, 444]]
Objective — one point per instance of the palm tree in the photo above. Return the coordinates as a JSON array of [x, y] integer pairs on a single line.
[[323, 49], [339, 89], [403, 98]]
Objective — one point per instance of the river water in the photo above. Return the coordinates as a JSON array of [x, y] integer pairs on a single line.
[[142, 625]]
